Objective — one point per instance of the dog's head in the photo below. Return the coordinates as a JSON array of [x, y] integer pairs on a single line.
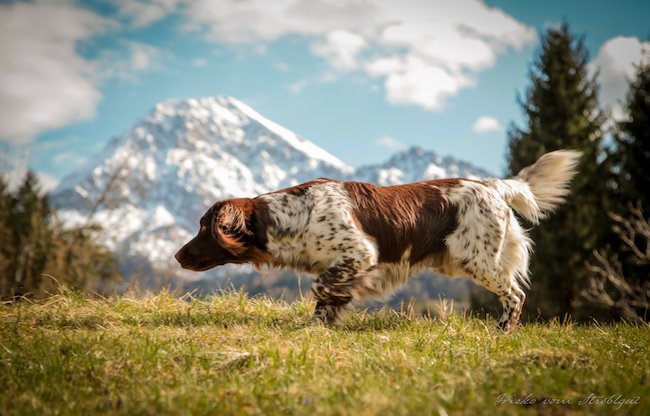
[[225, 236]]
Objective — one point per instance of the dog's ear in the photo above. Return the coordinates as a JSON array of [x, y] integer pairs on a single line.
[[230, 225]]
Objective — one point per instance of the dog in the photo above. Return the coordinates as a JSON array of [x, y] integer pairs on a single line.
[[361, 241]]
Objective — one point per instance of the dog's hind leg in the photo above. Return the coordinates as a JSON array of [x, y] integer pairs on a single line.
[[511, 297], [494, 253], [498, 276], [514, 265], [520, 305], [512, 305]]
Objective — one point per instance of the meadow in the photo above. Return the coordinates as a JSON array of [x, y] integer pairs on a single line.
[[74, 354]]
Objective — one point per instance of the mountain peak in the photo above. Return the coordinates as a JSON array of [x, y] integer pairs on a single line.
[[226, 118], [417, 164]]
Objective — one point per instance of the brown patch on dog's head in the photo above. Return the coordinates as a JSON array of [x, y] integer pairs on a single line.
[[231, 225], [228, 234]]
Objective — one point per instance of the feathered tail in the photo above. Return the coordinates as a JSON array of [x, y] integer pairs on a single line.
[[539, 188]]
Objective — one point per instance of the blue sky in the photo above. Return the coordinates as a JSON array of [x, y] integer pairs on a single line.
[[360, 79]]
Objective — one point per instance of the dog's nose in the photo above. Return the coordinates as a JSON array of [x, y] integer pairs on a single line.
[[184, 258]]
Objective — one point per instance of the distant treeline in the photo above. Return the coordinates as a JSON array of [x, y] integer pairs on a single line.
[[37, 254]]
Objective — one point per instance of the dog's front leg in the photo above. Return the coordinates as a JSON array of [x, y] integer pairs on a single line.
[[329, 314], [335, 288]]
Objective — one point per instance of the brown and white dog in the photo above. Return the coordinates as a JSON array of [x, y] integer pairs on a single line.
[[361, 240]]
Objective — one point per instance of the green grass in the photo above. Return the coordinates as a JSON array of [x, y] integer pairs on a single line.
[[229, 354]]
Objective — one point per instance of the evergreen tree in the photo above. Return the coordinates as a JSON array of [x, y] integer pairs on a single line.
[[561, 106], [7, 249], [632, 151], [31, 235], [631, 160], [35, 247]]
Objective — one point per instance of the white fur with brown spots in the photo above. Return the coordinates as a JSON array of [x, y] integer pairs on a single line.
[[362, 241]]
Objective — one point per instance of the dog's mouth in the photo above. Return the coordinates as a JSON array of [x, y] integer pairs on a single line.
[[198, 267]]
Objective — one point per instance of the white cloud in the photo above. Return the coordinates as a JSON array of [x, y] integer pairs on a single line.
[[66, 152], [427, 86], [486, 124], [385, 66], [260, 49], [330, 76], [341, 49], [390, 143], [142, 13], [235, 21], [281, 66], [69, 158], [131, 58], [13, 168], [615, 61], [44, 83], [143, 56], [298, 86], [199, 62], [47, 181], [427, 51]]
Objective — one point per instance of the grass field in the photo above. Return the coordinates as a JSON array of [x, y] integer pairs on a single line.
[[229, 354]]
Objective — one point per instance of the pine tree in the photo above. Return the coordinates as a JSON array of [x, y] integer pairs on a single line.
[[34, 246], [7, 251], [631, 160], [561, 106], [632, 151], [32, 237]]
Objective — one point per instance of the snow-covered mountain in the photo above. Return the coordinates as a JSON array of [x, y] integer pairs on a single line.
[[417, 164], [149, 187]]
